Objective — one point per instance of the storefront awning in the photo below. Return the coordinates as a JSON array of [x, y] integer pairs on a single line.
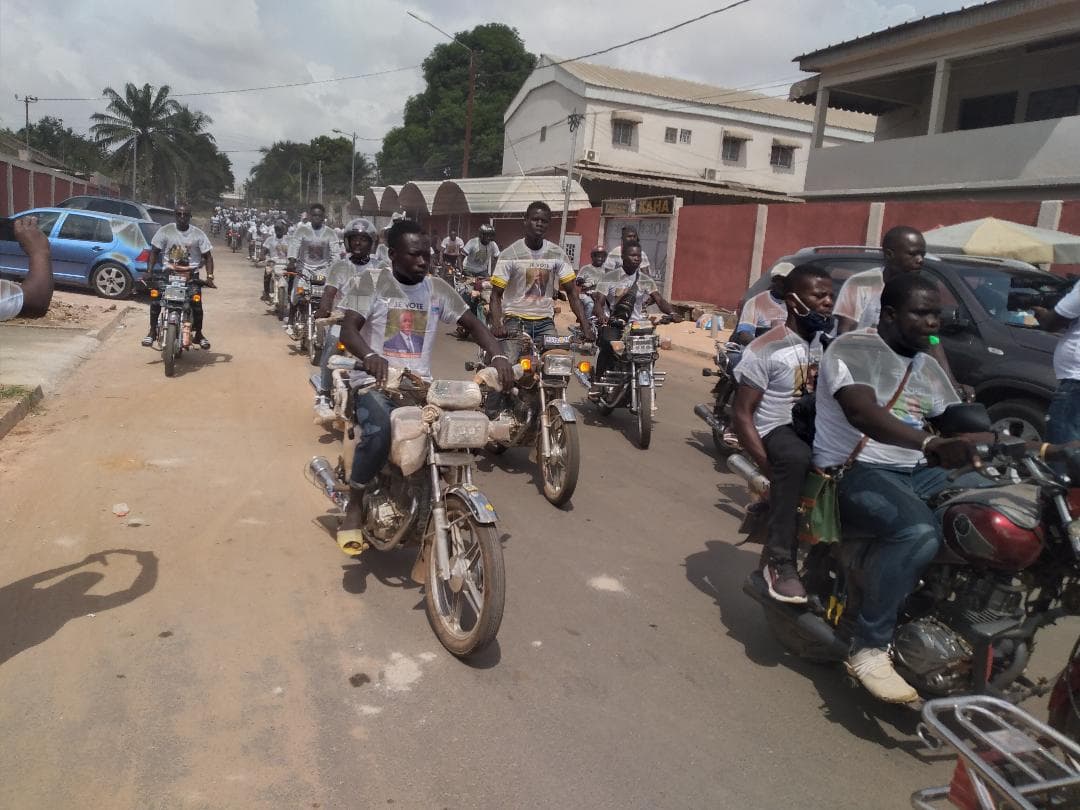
[[789, 142]]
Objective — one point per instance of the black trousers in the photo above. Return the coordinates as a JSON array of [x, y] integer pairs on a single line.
[[196, 317], [789, 459]]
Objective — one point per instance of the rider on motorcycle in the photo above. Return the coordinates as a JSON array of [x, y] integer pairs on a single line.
[[884, 482], [776, 370], [278, 247], [624, 293], [312, 248], [182, 244], [481, 252], [360, 237], [451, 249], [589, 276], [766, 309], [395, 317], [627, 235]]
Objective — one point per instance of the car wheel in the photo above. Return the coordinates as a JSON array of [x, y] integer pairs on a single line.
[[1022, 418], [110, 280]]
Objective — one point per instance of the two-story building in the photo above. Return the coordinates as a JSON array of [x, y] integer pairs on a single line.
[[983, 102], [637, 134]]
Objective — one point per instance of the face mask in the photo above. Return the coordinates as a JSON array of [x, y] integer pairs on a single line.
[[813, 321]]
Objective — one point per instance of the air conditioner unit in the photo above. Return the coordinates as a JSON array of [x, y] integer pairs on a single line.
[[709, 174], [590, 156]]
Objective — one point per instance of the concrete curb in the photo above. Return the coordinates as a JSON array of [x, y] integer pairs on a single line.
[[103, 333], [18, 410]]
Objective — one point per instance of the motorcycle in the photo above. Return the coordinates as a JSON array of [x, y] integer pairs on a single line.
[[232, 236], [425, 496], [477, 294], [279, 285], [717, 414], [1009, 565], [309, 291], [632, 380], [182, 290], [536, 412]]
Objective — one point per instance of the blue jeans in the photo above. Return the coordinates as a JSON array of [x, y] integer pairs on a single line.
[[373, 447], [326, 377], [1063, 415], [889, 505]]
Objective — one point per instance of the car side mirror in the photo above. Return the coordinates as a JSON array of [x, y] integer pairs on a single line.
[[953, 321]]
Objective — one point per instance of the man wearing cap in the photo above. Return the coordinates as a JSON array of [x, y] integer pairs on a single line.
[[766, 309], [589, 276]]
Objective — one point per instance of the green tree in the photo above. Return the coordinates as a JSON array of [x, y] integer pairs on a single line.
[[285, 164], [429, 145], [205, 172], [75, 151]]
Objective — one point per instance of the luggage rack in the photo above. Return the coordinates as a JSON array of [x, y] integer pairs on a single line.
[[1006, 758]]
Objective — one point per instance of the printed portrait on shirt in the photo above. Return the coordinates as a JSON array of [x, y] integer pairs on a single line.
[[405, 330], [179, 255], [536, 282]]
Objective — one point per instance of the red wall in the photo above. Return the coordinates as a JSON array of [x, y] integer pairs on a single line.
[[587, 223], [928, 215], [63, 190], [42, 190], [796, 225], [20, 182], [712, 254], [1070, 217]]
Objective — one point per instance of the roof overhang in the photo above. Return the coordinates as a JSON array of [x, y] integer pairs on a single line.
[[721, 189], [507, 194], [389, 202]]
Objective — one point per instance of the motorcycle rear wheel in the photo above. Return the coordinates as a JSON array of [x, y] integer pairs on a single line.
[[467, 621], [169, 349], [644, 416], [560, 472]]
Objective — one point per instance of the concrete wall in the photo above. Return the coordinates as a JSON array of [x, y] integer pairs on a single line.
[[548, 105], [1019, 155], [28, 185]]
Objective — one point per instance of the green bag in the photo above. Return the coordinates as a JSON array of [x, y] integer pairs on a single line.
[[819, 509], [819, 506]]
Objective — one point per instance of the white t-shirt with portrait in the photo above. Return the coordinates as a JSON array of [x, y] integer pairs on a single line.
[[182, 247], [860, 298], [783, 367], [344, 270], [763, 311], [478, 256], [276, 249], [314, 250], [401, 321], [528, 278], [863, 358], [615, 284], [1067, 352], [452, 247], [11, 299]]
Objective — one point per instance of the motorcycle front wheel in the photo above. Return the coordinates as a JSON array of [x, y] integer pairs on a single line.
[[465, 611], [279, 302], [303, 334], [644, 416], [560, 471], [169, 348], [313, 349]]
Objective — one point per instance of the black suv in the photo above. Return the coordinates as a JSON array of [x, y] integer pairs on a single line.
[[990, 337]]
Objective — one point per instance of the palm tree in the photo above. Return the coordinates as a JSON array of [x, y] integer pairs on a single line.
[[140, 126]]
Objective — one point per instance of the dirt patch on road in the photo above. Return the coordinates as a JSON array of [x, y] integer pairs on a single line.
[[71, 310]]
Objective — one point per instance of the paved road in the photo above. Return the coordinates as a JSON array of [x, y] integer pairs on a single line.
[[225, 654]]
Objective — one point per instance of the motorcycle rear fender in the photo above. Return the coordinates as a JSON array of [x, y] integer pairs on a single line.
[[644, 376], [479, 505], [564, 410]]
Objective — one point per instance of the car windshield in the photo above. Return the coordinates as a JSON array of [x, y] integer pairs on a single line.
[[1009, 295]]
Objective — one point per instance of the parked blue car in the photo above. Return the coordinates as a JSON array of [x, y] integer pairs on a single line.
[[106, 253]]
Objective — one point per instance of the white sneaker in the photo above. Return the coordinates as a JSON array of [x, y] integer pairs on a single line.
[[323, 412], [874, 669], [290, 330]]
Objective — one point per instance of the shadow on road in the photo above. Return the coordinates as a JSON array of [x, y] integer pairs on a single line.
[[515, 460], [193, 360], [33, 612], [390, 568], [718, 572]]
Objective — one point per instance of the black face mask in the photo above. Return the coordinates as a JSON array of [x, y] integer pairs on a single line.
[[812, 321]]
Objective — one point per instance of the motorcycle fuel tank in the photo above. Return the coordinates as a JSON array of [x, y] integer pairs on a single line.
[[997, 526]]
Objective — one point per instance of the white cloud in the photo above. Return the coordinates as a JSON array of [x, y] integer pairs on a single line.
[[54, 48]]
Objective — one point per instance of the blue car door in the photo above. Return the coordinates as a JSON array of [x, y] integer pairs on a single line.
[[78, 244], [13, 260]]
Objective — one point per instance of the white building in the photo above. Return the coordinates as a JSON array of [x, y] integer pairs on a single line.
[[644, 134], [980, 102]]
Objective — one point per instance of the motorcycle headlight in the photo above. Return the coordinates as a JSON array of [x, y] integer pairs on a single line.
[[641, 344], [558, 364], [461, 429]]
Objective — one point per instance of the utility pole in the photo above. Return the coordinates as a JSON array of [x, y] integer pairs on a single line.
[[134, 164], [573, 121], [472, 89], [352, 170], [27, 101], [300, 182], [320, 181]]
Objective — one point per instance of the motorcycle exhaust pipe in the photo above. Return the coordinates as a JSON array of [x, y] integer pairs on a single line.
[[320, 475], [746, 470], [816, 636], [705, 413]]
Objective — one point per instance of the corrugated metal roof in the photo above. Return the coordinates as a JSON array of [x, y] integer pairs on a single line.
[[389, 199], [706, 94], [505, 194], [674, 183], [418, 195]]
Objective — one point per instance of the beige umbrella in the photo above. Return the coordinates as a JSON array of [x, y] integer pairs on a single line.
[[1006, 240]]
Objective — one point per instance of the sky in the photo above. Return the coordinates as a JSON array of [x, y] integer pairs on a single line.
[[61, 49]]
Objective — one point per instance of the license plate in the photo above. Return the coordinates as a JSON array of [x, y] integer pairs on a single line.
[[176, 293]]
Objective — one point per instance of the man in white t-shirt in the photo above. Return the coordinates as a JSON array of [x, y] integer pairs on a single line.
[[481, 252], [882, 492], [451, 249], [1063, 415], [766, 309], [394, 317], [776, 370], [312, 249], [858, 304], [276, 248], [523, 285], [180, 244], [613, 261], [31, 298]]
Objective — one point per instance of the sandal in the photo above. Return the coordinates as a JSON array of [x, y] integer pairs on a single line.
[[204, 344], [351, 541], [148, 341]]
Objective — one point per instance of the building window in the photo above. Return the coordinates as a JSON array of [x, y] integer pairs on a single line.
[[987, 111], [684, 136], [782, 156], [622, 133], [543, 134], [671, 135], [732, 149], [1058, 102]]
